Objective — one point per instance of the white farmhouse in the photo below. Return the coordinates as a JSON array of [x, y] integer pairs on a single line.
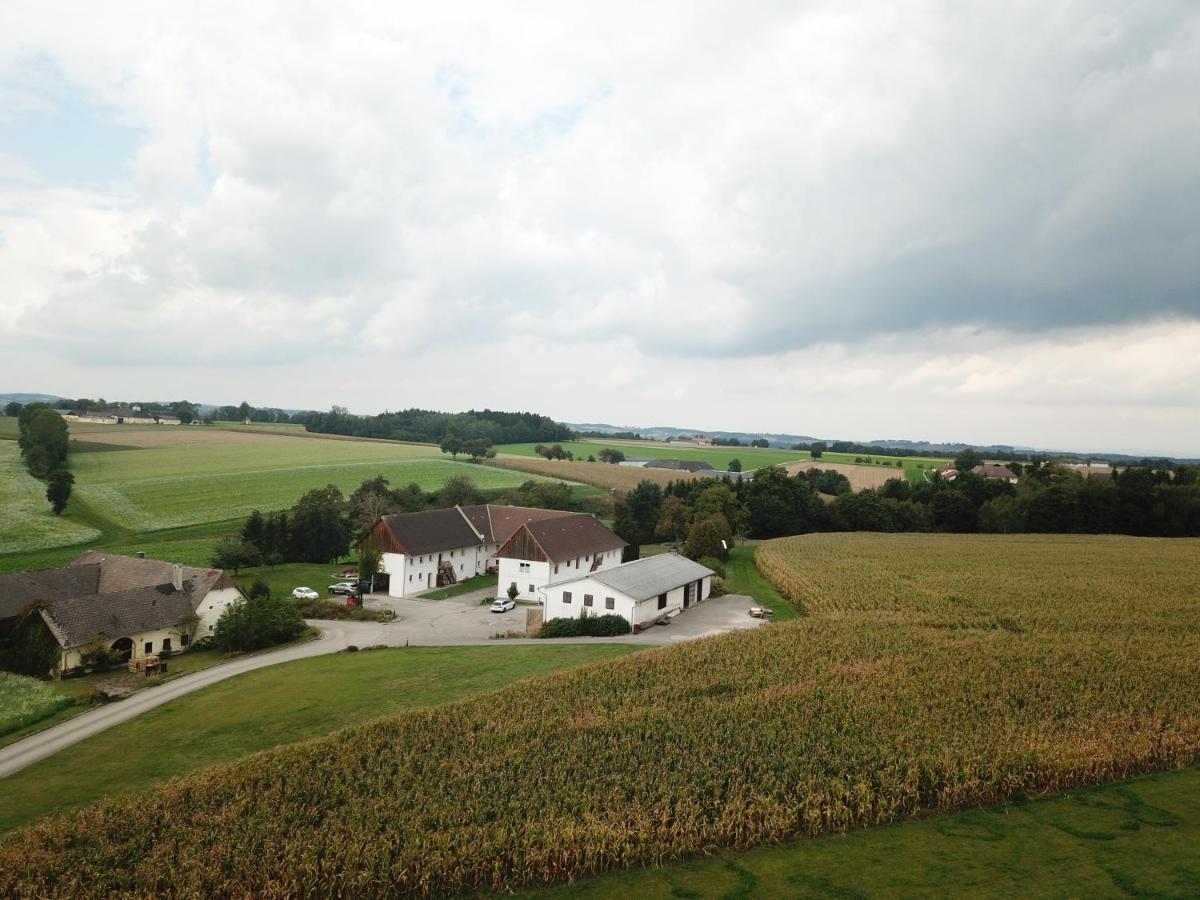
[[641, 592], [437, 547], [541, 554]]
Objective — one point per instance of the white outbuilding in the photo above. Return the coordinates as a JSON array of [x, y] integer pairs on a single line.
[[642, 591]]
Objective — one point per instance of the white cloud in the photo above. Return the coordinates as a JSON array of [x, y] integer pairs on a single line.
[[826, 219]]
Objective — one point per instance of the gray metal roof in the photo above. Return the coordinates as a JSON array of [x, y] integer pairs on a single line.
[[649, 577]]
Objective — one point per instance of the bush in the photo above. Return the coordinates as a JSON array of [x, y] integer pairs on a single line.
[[717, 587], [711, 562], [257, 622], [327, 609], [259, 589], [608, 625]]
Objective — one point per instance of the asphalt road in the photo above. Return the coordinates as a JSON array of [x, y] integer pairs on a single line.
[[458, 621]]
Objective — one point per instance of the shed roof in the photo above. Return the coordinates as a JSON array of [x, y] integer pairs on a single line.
[[651, 576], [20, 589]]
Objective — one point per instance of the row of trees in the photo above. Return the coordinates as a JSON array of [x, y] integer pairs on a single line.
[[1049, 499], [429, 426], [475, 448], [44, 442]]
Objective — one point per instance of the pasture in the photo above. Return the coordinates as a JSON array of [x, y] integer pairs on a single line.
[[928, 674], [26, 522], [717, 457], [24, 701]]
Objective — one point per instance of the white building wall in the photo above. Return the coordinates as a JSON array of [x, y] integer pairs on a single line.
[[411, 575], [558, 608], [210, 610], [530, 576]]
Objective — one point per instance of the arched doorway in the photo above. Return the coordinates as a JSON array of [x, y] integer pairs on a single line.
[[123, 646]]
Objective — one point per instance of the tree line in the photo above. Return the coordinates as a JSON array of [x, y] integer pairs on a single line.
[[44, 442], [699, 514], [429, 426]]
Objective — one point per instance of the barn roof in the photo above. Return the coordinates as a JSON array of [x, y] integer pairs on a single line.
[[563, 538], [993, 472], [19, 589], [434, 530], [120, 573], [651, 576], [79, 620]]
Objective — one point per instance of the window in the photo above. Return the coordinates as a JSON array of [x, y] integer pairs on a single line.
[[662, 601], [556, 568], [566, 596], [185, 639], [524, 567], [587, 599], [149, 646], [532, 589], [166, 645], [610, 603]]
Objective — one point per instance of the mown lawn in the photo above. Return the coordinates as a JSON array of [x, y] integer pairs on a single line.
[[26, 521], [478, 583], [278, 705], [283, 579], [1137, 838], [742, 577]]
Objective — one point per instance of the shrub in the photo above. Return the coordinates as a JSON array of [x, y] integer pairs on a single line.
[[608, 625], [257, 622], [717, 587], [711, 562], [259, 589], [326, 609]]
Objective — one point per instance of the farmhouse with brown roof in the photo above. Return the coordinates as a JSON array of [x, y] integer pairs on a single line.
[[437, 547], [549, 551], [999, 473], [134, 606]]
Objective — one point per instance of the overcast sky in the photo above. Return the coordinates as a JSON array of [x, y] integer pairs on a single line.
[[955, 221]]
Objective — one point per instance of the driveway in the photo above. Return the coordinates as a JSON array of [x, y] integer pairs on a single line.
[[456, 621]]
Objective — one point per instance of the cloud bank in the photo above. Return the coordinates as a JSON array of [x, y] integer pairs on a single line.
[[976, 222]]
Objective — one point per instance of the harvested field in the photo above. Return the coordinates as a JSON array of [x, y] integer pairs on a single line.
[[861, 477], [932, 673], [604, 475], [166, 436]]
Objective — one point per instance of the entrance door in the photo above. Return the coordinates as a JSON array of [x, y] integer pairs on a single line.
[[123, 646]]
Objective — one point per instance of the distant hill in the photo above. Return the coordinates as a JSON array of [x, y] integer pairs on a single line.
[[30, 398]]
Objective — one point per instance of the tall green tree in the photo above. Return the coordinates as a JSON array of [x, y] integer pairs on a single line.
[[637, 513], [320, 530], [58, 489]]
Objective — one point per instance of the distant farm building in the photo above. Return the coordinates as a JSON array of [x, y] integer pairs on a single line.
[[996, 473], [679, 465], [120, 417], [642, 592], [946, 473]]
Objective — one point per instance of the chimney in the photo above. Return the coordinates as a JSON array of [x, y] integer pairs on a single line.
[[177, 576], [141, 554]]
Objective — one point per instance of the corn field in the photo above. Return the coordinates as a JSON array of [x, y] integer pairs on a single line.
[[931, 673]]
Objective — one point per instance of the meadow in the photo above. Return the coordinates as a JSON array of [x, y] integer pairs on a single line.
[[24, 701], [717, 457], [927, 674], [172, 490]]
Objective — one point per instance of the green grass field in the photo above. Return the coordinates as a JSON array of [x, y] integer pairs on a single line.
[[25, 701], [717, 457], [279, 705], [284, 579], [742, 577], [26, 522], [1137, 838]]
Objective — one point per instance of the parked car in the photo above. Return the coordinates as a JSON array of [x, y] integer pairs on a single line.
[[343, 587], [305, 593], [503, 605], [761, 612]]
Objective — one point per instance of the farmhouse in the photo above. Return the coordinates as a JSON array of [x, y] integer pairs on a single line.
[[679, 465], [998, 473], [134, 606], [550, 551], [642, 591], [120, 417], [947, 473], [429, 549]]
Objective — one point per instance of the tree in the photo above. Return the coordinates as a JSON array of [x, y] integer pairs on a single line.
[[637, 513], [12, 408], [257, 622], [967, 460], [719, 500], [778, 504], [950, 510], [369, 559], [459, 490], [254, 530], [735, 465], [320, 532], [672, 520], [370, 500], [43, 439], [479, 448], [243, 411], [234, 553], [259, 589], [816, 450], [546, 495], [611, 455], [760, 442], [705, 537], [186, 411], [452, 444], [58, 489]]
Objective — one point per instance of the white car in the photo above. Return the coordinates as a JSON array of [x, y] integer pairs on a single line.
[[305, 593], [504, 605]]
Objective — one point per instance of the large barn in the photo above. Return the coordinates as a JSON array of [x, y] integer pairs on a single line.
[[437, 547], [545, 552]]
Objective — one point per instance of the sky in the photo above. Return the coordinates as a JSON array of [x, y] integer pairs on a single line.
[[961, 221]]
